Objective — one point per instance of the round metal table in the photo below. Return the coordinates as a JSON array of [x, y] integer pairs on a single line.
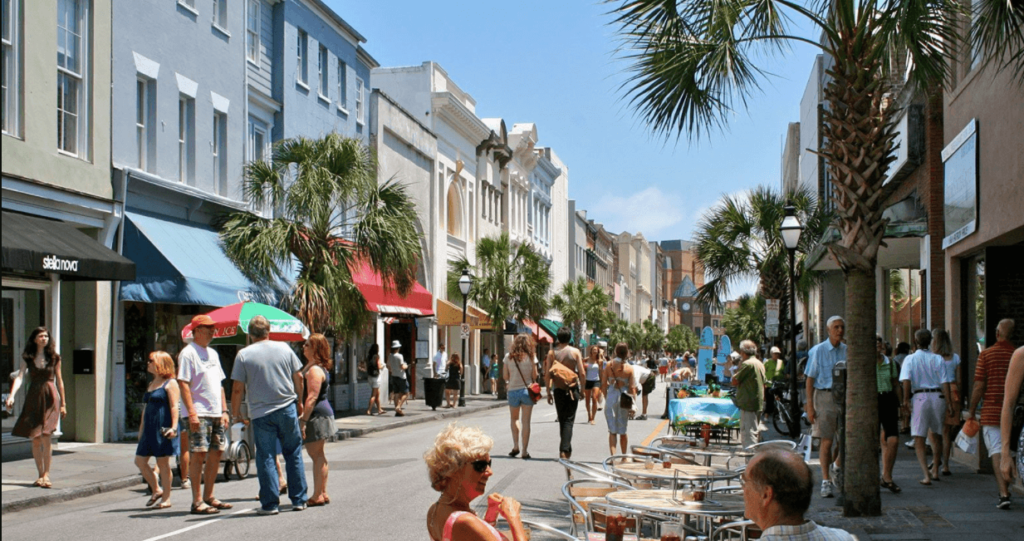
[[687, 472], [660, 501]]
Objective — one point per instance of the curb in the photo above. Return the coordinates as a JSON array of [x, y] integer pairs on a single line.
[[100, 487], [74, 493]]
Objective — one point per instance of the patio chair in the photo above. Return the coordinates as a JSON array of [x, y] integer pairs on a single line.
[[677, 457], [600, 511], [636, 481], [536, 527], [741, 530], [774, 444], [580, 493], [588, 470]]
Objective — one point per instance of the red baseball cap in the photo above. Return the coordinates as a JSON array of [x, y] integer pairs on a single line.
[[203, 320]]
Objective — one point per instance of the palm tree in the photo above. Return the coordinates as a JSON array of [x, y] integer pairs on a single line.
[[680, 339], [747, 320], [579, 304], [653, 339], [510, 282], [691, 61], [739, 239], [331, 214]]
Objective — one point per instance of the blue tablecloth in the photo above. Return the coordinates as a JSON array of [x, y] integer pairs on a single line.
[[714, 411]]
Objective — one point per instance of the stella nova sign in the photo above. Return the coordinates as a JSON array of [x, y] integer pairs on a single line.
[[56, 264]]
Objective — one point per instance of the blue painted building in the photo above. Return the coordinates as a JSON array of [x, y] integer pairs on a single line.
[[306, 73]]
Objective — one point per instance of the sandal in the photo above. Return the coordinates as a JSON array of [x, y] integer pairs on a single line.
[[217, 504], [526, 456], [327, 499], [892, 486], [45, 483], [203, 509], [163, 505], [514, 453], [154, 498], [316, 502]]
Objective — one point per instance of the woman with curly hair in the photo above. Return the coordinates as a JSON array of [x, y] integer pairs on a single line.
[[459, 465], [317, 412], [520, 371], [45, 403]]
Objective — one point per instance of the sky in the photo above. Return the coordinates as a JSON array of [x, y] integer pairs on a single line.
[[553, 63]]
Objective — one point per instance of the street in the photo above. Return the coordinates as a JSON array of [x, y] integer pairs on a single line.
[[378, 486]]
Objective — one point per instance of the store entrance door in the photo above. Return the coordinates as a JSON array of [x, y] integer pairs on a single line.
[[405, 332]]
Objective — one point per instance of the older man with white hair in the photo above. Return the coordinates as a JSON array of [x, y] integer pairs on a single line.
[[749, 397], [822, 411]]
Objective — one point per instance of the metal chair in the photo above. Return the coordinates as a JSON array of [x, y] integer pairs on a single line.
[[587, 470], [556, 533], [677, 457], [741, 530], [580, 493], [774, 444]]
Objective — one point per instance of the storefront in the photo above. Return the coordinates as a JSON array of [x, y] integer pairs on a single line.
[[54, 276]]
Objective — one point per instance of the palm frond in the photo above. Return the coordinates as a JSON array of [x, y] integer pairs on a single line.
[[998, 33]]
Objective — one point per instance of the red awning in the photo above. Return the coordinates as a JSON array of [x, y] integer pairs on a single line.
[[542, 336], [419, 301]]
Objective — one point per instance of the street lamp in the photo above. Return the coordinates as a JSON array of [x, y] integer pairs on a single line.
[[791, 229], [465, 283]]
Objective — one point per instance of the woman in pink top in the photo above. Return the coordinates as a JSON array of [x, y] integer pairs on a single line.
[[459, 464]]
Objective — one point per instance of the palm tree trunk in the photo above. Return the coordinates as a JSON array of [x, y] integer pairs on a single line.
[[860, 485]]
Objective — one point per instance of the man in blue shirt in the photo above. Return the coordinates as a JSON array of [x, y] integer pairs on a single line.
[[822, 411], [485, 371]]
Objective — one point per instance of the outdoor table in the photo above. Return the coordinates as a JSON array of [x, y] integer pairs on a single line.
[[686, 472], [660, 501], [727, 451]]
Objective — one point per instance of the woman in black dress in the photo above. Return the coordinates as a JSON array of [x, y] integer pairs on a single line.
[[44, 400], [451, 386]]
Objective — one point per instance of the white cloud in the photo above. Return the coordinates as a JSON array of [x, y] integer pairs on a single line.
[[649, 211]]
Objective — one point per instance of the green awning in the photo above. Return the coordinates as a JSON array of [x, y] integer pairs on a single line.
[[551, 326]]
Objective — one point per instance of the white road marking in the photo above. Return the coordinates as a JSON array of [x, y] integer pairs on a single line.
[[200, 525]]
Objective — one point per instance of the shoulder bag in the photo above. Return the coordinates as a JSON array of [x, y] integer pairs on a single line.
[[532, 388]]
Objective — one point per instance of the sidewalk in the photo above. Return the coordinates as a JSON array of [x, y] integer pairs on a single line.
[[956, 508], [85, 469]]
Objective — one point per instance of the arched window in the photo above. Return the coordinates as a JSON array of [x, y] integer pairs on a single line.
[[454, 210]]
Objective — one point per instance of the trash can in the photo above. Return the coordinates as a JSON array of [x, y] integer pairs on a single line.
[[433, 391]]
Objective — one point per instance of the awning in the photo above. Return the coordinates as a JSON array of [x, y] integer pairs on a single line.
[[485, 322], [181, 263], [32, 244], [542, 336], [419, 301], [551, 326], [449, 315]]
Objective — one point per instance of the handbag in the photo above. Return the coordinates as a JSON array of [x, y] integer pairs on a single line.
[[532, 389], [625, 401]]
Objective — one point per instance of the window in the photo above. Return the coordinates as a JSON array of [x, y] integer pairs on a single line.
[[454, 210], [257, 150], [359, 100], [72, 38], [11, 90], [186, 139], [220, 153], [145, 135], [252, 32], [321, 68], [191, 4], [220, 14], [342, 84], [302, 69]]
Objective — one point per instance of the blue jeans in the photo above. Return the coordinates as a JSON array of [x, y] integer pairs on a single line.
[[279, 428]]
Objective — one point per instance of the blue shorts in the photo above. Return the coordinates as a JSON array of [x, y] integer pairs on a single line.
[[519, 397]]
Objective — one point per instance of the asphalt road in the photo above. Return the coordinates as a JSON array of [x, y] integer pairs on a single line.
[[378, 485]]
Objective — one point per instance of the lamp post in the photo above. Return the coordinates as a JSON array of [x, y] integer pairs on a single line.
[[791, 229], [465, 283]]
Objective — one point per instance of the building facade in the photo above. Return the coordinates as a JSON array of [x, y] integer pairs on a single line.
[[61, 212]]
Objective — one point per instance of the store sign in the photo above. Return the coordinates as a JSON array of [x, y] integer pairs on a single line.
[[960, 208], [55, 264]]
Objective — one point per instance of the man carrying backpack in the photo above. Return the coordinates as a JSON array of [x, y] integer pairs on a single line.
[[563, 372]]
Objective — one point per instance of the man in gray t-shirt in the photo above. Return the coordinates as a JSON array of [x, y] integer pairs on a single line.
[[264, 370]]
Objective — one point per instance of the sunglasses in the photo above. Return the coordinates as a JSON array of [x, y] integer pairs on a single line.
[[481, 466]]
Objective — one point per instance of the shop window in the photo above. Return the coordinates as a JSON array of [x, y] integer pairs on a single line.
[[22, 311]]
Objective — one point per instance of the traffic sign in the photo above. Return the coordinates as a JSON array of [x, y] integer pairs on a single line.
[[465, 330]]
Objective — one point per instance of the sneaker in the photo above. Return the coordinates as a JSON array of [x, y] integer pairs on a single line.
[[826, 489], [300, 507], [1004, 502], [186, 484], [641, 417], [266, 512]]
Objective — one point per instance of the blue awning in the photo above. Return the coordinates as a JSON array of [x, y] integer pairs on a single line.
[[184, 263]]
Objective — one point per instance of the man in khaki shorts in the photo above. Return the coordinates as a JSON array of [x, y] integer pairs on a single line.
[[822, 411]]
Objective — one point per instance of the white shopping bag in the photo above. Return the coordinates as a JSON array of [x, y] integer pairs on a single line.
[[967, 444]]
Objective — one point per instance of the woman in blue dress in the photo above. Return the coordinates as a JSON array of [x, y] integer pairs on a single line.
[[158, 431]]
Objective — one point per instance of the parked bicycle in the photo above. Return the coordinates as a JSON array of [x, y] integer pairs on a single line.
[[781, 418]]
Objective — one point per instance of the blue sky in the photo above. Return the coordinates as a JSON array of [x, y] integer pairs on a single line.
[[552, 62]]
